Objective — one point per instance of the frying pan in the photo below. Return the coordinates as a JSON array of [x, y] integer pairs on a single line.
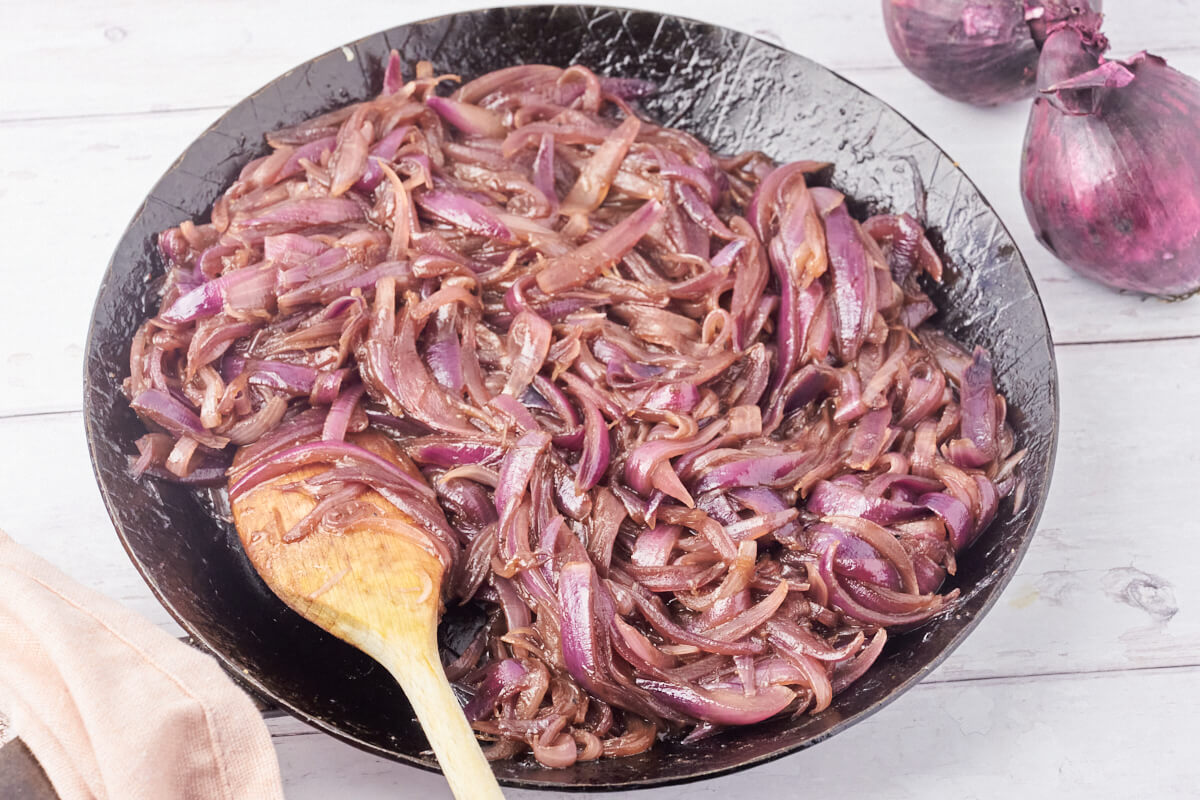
[[734, 92]]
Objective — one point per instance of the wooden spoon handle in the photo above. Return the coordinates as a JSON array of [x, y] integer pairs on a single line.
[[419, 673]]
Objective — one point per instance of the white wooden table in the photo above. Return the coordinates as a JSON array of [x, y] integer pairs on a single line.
[[1083, 682]]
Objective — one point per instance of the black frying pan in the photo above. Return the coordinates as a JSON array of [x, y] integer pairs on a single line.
[[732, 91]]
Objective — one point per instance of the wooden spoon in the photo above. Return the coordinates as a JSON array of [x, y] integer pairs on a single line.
[[377, 587]]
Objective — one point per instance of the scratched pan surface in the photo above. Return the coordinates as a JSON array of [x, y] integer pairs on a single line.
[[732, 91]]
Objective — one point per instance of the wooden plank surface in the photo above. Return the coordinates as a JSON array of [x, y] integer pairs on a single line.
[[1084, 681]]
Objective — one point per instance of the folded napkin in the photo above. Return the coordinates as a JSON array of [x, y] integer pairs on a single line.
[[114, 708]]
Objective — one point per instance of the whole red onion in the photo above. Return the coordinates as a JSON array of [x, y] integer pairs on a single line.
[[1110, 172], [983, 52]]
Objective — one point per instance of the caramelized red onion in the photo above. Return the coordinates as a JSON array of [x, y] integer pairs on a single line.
[[674, 419]]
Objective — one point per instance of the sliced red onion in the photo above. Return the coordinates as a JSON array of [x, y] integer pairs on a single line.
[[576, 268], [722, 706], [337, 501], [153, 449], [313, 151], [654, 546], [925, 394], [165, 410], [296, 429], [248, 289], [884, 600], [827, 499], [412, 389], [594, 460], [759, 500], [642, 648], [290, 250], [772, 471], [325, 387], [465, 213], [768, 194], [576, 132], [800, 245], [449, 452], [851, 607], [853, 283], [648, 467], [443, 353], [516, 614], [978, 409], [349, 157], [340, 411], [660, 619], [797, 640], [516, 470], [909, 249], [870, 437], [393, 79], [294, 379], [291, 276], [679, 397], [796, 309], [383, 150], [543, 170], [591, 186], [847, 673], [954, 513], [322, 452], [523, 75], [930, 574], [989, 501], [305, 212], [884, 542], [528, 344], [748, 621], [504, 679], [469, 119], [581, 647], [514, 413]]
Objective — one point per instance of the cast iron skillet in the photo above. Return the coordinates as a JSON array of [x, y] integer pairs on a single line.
[[734, 92]]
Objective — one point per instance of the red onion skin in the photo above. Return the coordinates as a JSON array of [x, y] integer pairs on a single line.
[[1115, 192], [983, 52]]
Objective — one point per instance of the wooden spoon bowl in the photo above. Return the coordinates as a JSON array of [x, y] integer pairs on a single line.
[[377, 585]]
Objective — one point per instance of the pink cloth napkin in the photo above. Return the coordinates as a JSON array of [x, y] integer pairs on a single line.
[[113, 707]]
